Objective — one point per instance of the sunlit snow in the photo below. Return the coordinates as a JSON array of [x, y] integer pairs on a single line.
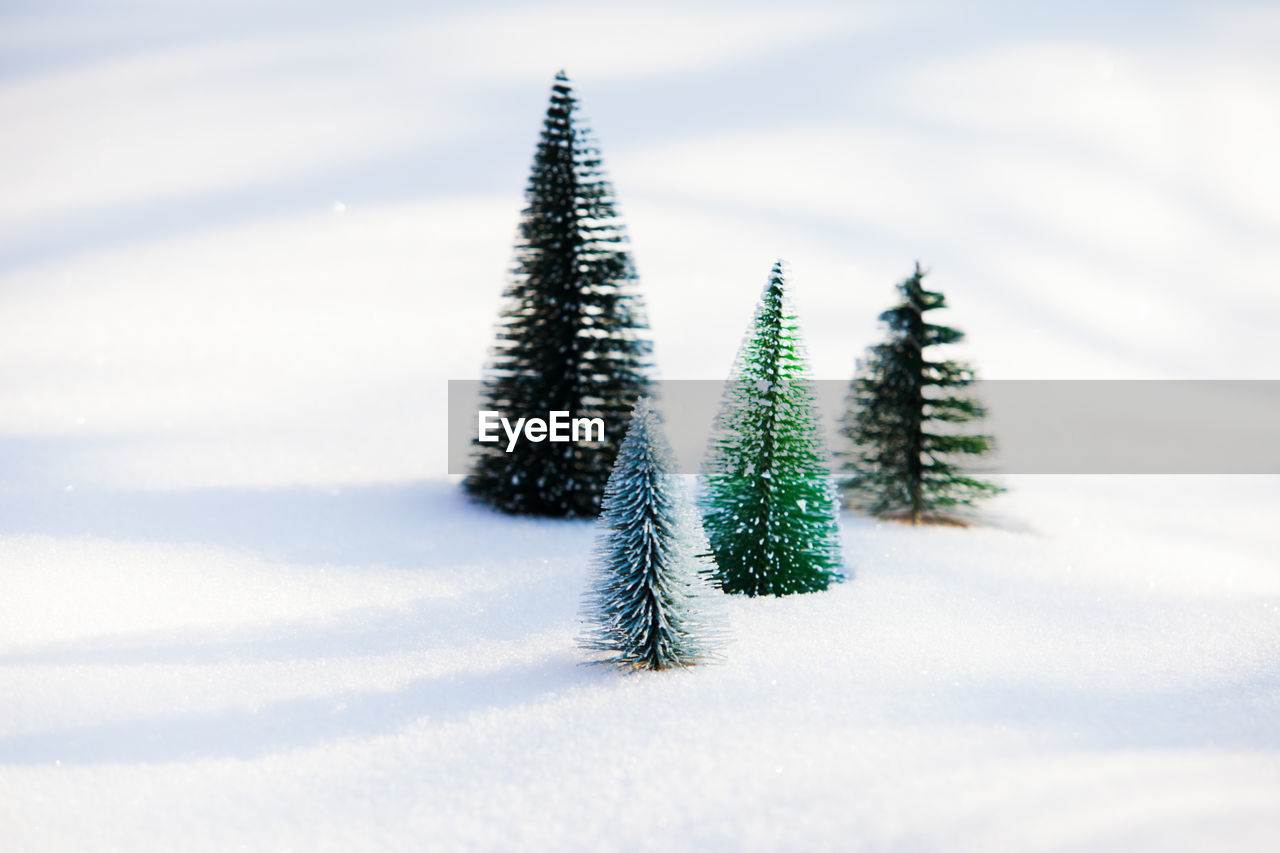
[[244, 245]]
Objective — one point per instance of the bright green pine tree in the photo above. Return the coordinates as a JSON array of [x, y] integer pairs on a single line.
[[647, 606], [903, 420], [575, 335], [769, 503]]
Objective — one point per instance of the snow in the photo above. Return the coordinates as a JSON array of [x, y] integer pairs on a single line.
[[1096, 669], [242, 606]]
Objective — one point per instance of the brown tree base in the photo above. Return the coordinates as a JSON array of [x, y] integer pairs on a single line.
[[935, 518]]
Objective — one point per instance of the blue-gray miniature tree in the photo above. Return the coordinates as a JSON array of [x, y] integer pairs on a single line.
[[770, 507], [647, 606]]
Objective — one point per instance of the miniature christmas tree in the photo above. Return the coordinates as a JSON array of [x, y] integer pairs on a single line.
[[770, 508], [574, 337], [903, 418], [646, 606]]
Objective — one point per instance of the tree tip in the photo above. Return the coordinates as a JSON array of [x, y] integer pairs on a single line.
[[778, 273]]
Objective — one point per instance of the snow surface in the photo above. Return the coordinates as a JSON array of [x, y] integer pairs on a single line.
[[393, 667], [244, 244]]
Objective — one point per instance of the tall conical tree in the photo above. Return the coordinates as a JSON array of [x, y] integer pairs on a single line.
[[903, 418], [574, 335], [647, 606], [769, 502]]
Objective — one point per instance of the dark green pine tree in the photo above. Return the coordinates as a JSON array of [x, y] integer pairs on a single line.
[[769, 502], [647, 607], [574, 337], [904, 417]]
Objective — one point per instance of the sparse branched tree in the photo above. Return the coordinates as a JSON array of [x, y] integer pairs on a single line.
[[903, 420], [647, 606], [574, 336], [769, 501]]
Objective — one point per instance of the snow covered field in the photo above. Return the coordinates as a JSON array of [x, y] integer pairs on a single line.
[[243, 245], [390, 667]]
